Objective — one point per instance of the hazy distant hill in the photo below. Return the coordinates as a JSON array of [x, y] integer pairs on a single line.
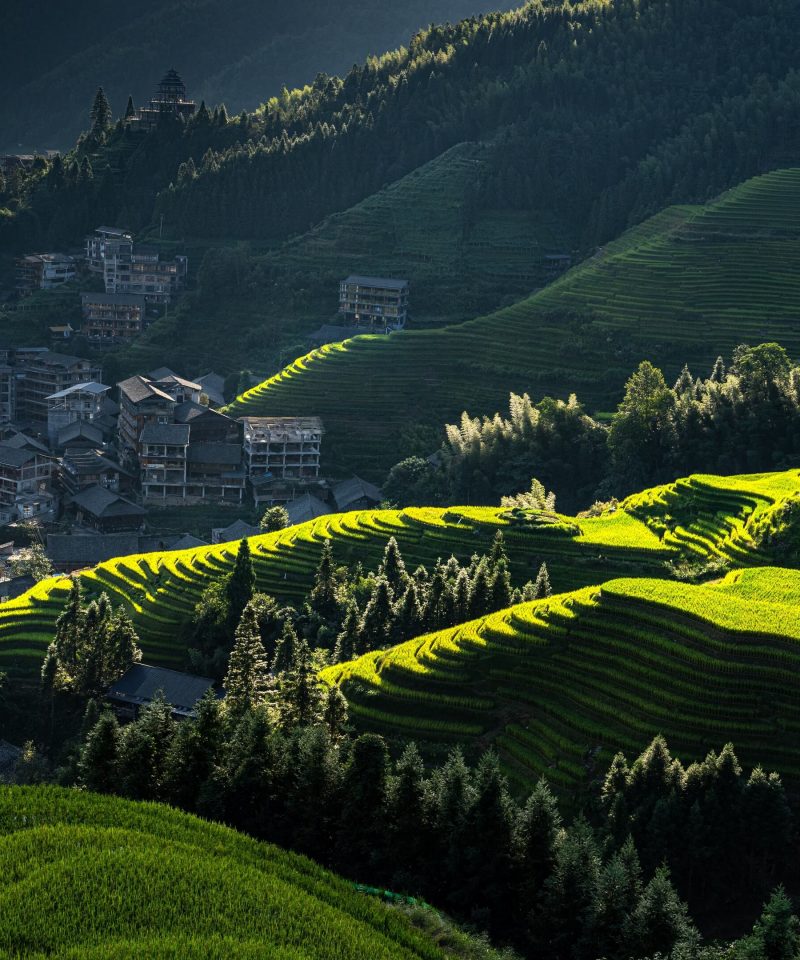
[[238, 52]]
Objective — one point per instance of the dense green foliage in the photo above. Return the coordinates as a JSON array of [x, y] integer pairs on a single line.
[[744, 418]]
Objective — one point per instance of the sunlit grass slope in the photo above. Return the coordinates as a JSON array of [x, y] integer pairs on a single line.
[[559, 685], [689, 284], [701, 517], [87, 876], [161, 589]]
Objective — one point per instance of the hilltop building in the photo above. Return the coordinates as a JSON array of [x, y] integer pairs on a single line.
[[377, 304], [44, 271], [169, 99], [111, 318]]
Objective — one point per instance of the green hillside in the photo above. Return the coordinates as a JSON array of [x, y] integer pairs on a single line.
[[687, 285], [556, 683], [144, 880], [700, 517]]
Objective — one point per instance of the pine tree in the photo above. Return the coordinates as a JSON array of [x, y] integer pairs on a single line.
[[323, 596], [334, 712], [130, 110], [498, 551], [376, 624], [775, 934], [300, 694], [98, 763], [537, 829], [501, 587], [660, 922], [122, 649], [392, 567], [285, 650], [407, 615], [248, 667], [347, 642], [480, 596], [718, 374], [461, 595], [541, 587], [241, 583], [100, 113]]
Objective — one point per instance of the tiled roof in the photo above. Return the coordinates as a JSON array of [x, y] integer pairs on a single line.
[[142, 683], [351, 491], [174, 434], [139, 388], [104, 503]]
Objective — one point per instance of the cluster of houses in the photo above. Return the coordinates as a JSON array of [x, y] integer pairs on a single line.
[[75, 449]]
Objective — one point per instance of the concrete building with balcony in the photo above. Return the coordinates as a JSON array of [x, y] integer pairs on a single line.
[[106, 243], [378, 304], [141, 272], [44, 271], [163, 458], [25, 474], [282, 447], [111, 318], [82, 402], [41, 373]]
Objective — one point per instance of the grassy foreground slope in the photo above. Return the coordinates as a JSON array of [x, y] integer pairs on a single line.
[[98, 877], [559, 685], [687, 285], [698, 517]]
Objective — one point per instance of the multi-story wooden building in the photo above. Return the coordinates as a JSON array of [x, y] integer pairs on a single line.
[[373, 303], [141, 403], [110, 318], [163, 457]]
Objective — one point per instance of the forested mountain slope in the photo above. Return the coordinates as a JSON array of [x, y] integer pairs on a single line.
[[143, 880], [685, 286], [239, 53]]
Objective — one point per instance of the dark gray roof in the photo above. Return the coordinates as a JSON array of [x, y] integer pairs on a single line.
[[306, 508], [174, 434], [225, 453], [21, 441], [114, 231], [389, 283], [189, 410], [83, 462], [138, 388], [142, 683], [90, 549], [161, 373], [238, 530], [59, 359], [187, 542], [80, 428], [14, 457], [351, 491], [119, 299], [105, 503], [91, 387]]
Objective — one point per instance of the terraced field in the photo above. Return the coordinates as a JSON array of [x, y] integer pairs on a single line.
[[698, 517], [559, 684], [687, 285], [161, 589], [420, 227], [143, 880]]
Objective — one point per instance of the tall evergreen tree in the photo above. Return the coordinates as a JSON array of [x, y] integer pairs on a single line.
[[247, 679], [100, 114], [323, 597], [541, 586], [285, 649], [240, 584], [376, 623], [393, 567], [98, 761], [347, 642]]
